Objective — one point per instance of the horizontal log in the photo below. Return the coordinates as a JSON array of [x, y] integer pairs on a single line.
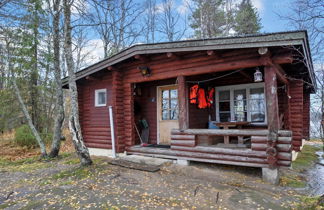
[[228, 132], [284, 156], [256, 165], [284, 163], [189, 143], [225, 151], [263, 147], [183, 137], [264, 140]]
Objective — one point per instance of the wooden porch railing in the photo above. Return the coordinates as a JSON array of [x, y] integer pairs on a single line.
[[186, 141]]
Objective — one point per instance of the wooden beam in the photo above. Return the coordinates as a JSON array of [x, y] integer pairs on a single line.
[[210, 52], [143, 58], [91, 78], [280, 73], [172, 55], [228, 132], [272, 112], [244, 74], [112, 68], [183, 106]]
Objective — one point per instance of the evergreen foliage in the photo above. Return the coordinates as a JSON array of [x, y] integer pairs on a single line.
[[212, 18], [247, 20]]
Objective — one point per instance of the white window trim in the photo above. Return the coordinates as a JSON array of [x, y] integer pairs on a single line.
[[97, 98], [247, 87]]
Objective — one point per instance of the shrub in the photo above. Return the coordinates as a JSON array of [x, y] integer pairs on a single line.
[[25, 137]]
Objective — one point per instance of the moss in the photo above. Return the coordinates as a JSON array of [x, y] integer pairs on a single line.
[[306, 158], [293, 181], [311, 203], [7, 204], [32, 204], [23, 165], [73, 161]]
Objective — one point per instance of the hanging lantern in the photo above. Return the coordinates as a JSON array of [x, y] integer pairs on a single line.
[[257, 76], [145, 71]]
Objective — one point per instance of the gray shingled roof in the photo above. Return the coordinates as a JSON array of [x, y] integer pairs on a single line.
[[288, 38]]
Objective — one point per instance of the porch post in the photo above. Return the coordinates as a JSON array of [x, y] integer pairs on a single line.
[[271, 174], [183, 100], [118, 108]]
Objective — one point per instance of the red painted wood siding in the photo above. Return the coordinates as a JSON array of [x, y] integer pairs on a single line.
[[306, 115], [95, 120], [296, 112]]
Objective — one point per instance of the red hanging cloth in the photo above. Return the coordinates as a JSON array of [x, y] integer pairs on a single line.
[[202, 103], [194, 94]]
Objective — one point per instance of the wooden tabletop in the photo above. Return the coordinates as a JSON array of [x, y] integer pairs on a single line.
[[232, 124]]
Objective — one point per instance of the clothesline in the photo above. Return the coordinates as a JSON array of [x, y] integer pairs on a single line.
[[211, 79]]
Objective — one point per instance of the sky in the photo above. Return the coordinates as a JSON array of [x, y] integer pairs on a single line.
[[268, 10]]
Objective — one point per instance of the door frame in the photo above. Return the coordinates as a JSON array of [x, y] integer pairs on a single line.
[[158, 100]]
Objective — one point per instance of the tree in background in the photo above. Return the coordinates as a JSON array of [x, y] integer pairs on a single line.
[[74, 122], [208, 18], [308, 15], [212, 18], [150, 21], [247, 20]]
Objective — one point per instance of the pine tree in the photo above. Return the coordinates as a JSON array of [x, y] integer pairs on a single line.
[[247, 19], [208, 19]]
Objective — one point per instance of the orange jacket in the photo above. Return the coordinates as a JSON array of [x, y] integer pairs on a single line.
[[202, 103], [194, 94]]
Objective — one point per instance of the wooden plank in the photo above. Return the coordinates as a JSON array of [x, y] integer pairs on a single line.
[[228, 132], [189, 143], [183, 137], [225, 151], [263, 147], [183, 106], [257, 165], [264, 139]]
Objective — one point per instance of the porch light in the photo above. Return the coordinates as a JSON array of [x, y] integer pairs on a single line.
[[145, 71], [257, 76]]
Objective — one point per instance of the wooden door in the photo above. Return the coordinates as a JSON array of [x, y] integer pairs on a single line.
[[167, 111]]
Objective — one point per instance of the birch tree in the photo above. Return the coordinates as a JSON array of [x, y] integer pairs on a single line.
[[59, 103], [74, 122], [169, 22]]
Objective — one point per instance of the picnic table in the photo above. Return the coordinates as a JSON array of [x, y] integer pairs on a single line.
[[228, 125]]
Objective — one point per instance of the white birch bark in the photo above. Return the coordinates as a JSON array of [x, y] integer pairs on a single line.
[[74, 123], [29, 120], [59, 106]]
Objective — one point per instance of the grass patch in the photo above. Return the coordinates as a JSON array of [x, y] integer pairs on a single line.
[[311, 203], [23, 165], [293, 181], [306, 158], [73, 161]]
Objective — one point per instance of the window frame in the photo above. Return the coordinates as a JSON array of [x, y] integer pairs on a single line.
[[247, 88], [97, 91]]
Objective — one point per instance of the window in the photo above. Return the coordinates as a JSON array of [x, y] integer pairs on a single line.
[[241, 103], [100, 97], [170, 104]]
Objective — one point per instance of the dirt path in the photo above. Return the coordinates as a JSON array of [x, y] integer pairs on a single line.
[[62, 184]]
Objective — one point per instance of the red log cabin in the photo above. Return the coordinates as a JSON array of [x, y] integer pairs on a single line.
[[236, 100]]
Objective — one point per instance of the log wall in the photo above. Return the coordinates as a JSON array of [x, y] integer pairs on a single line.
[[184, 142], [95, 120], [296, 112], [306, 115]]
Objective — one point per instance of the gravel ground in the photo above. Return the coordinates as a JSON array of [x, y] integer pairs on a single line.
[[62, 184]]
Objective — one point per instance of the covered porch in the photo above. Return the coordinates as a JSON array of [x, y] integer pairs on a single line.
[[230, 131]]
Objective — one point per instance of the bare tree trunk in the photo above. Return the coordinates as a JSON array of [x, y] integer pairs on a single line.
[[59, 117], [29, 120], [74, 123]]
